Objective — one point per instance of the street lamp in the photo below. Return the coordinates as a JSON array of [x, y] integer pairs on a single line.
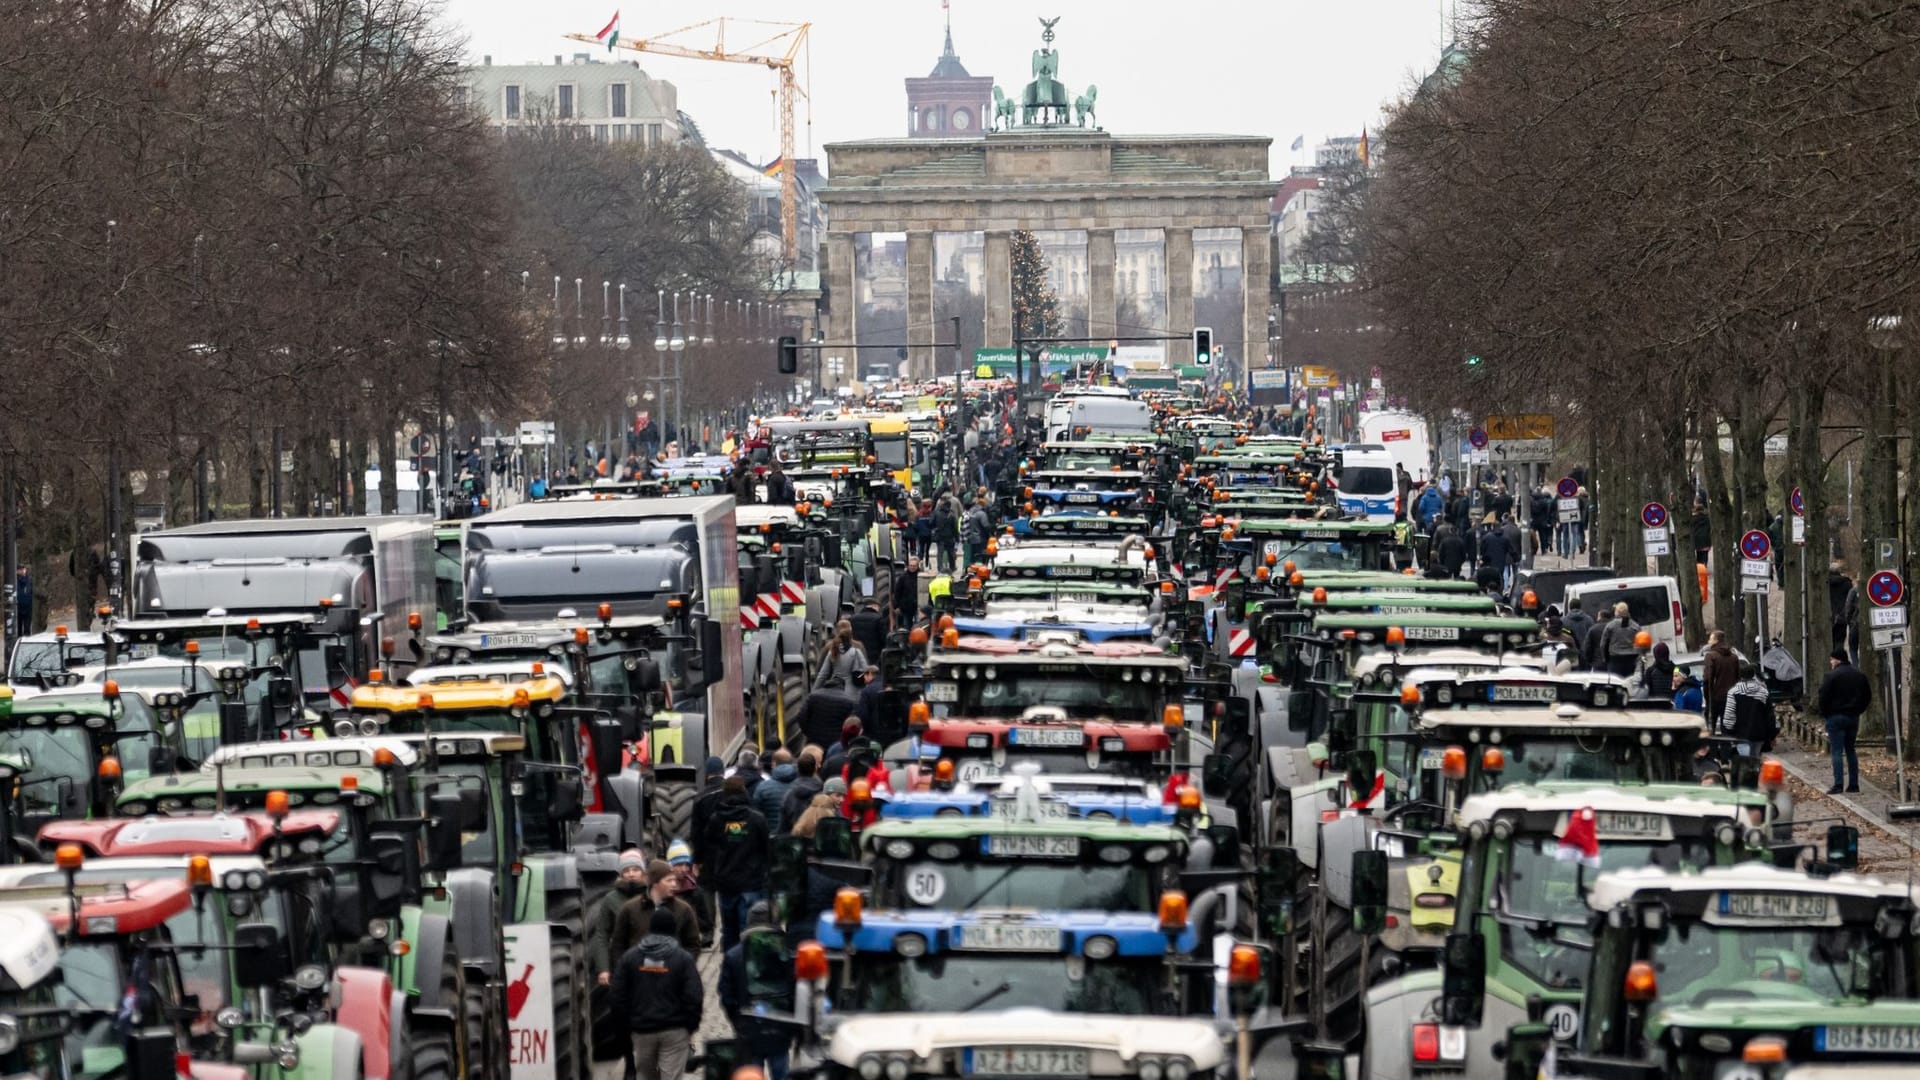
[[579, 315], [623, 340], [559, 331], [706, 338]]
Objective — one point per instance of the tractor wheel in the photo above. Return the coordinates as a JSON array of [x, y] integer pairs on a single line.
[[567, 1058], [478, 1018], [568, 910], [436, 1050], [672, 812]]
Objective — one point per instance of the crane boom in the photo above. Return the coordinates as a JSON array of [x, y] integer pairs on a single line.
[[775, 51]]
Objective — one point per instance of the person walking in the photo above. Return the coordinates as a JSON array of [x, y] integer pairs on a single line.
[[662, 892], [1843, 604], [1592, 656], [611, 1037], [844, 663], [978, 528], [737, 858], [1494, 551], [1845, 695], [1450, 550], [656, 986], [1721, 669], [806, 784], [906, 595], [761, 1042], [771, 795], [1619, 643], [779, 485], [1748, 715], [22, 603], [1579, 624]]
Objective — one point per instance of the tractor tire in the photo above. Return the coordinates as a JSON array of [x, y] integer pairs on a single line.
[[569, 1062], [568, 909], [436, 1050], [672, 812], [478, 1018]]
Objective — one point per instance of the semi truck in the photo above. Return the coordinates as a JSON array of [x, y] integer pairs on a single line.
[[359, 579]]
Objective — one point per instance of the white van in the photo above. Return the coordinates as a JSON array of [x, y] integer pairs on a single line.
[[1084, 415], [406, 481], [1653, 602], [1364, 483], [1404, 437]]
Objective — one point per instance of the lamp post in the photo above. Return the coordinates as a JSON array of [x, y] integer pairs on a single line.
[[677, 344]]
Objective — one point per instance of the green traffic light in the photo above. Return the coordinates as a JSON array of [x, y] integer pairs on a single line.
[[1473, 361]]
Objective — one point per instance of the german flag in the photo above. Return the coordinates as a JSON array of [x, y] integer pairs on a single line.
[[779, 166]]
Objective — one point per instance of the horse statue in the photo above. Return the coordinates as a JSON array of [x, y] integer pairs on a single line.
[[1003, 109], [1083, 106]]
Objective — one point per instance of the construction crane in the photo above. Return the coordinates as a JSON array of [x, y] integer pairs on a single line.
[[776, 51]]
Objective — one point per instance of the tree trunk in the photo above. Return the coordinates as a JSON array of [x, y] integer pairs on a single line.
[[1724, 583], [1679, 509]]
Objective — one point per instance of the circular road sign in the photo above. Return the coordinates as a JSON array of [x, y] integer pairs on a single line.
[[1653, 515], [1755, 545], [1478, 438], [1798, 503], [1886, 589], [1568, 487]]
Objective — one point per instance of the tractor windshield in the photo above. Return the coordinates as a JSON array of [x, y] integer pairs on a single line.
[[1082, 698], [962, 982]]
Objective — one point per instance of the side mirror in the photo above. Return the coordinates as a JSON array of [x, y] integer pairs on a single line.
[[443, 832], [1216, 775], [1843, 846], [1362, 771], [787, 869], [473, 809], [607, 740], [1463, 978], [723, 1055], [565, 804], [833, 839], [281, 693], [709, 659], [258, 958], [1369, 892], [1526, 1049], [233, 722], [389, 876], [335, 657]]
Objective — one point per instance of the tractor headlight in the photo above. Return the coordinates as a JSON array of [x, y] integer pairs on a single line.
[[287, 1055], [370, 726], [310, 977], [343, 729], [378, 929], [229, 1018], [9, 1033]]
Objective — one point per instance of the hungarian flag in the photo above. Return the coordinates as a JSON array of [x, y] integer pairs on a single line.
[[1581, 842], [610, 33]]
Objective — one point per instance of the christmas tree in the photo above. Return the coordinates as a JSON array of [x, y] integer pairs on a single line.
[[1036, 310]]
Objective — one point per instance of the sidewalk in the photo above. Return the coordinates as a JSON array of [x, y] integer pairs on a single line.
[[1886, 847]]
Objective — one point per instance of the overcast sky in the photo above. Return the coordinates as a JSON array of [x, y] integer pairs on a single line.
[[1280, 68]]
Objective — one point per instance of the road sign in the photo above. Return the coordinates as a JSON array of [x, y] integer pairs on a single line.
[[1893, 637], [1522, 427], [1653, 515], [1522, 450], [1568, 487], [1881, 617], [1755, 568], [1797, 503], [1569, 509], [1477, 438], [1755, 545], [1319, 377], [1656, 548], [1656, 534], [1756, 585], [1800, 531], [1885, 589]]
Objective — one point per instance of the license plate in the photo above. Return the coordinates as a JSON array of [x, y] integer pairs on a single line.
[[1069, 571], [1433, 758], [144, 651], [1624, 825], [1006, 937], [1049, 809], [1032, 847], [1025, 1061], [1083, 497], [1866, 1039], [1319, 534], [943, 693], [1384, 610], [508, 641], [1432, 633], [1037, 736], [1776, 907], [1545, 695]]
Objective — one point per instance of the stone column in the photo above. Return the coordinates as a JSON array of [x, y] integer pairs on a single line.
[[1101, 310], [999, 257], [1256, 259], [919, 304], [844, 296], [1179, 244]]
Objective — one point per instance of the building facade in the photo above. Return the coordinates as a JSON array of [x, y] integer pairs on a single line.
[[949, 103], [608, 101]]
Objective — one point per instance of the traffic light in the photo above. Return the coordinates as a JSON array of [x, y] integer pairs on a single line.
[[1203, 345], [789, 354], [1473, 361]]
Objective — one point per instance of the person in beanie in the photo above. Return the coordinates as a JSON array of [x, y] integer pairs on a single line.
[[686, 886], [611, 1043], [636, 915], [735, 858], [760, 1041], [656, 987], [1845, 695]]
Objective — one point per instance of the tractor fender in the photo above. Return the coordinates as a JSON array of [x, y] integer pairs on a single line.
[[629, 786], [430, 945], [793, 640], [473, 920], [1270, 708], [398, 1028], [327, 1052], [559, 873], [366, 1009]]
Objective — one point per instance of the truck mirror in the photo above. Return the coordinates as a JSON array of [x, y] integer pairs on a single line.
[[334, 656], [233, 722], [1299, 709], [443, 832], [607, 739], [389, 870], [258, 959], [1362, 771], [1526, 1049], [281, 693], [1236, 598], [1463, 978], [565, 802], [472, 814], [1238, 716], [708, 660], [1216, 775], [833, 839], [1226, 846], [644, 675], [1369, 891]]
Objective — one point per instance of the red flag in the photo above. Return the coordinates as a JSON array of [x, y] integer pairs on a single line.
[[1581, 842]]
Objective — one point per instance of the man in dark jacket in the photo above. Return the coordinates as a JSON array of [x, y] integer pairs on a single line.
[[1592, 656], [806, 784], [737, 854], [611, 1040], [1843, 605], [742, 993], [870, 629], [656, 986], [779, 486], [1845, 694], [635, 917], [772, 792], [906, 598], [1722, 670], [1579, 624], [1449, 549], [1494, 551], [713, 771]]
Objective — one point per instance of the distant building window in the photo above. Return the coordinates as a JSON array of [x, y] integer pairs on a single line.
[[599, 133], [653, 133], [563, 101], [510, 102], [617, 101]]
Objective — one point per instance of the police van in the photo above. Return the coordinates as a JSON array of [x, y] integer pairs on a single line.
[[1364, 482]]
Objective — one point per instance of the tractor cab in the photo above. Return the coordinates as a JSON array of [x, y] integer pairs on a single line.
[[73, 748], [280, 654]]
